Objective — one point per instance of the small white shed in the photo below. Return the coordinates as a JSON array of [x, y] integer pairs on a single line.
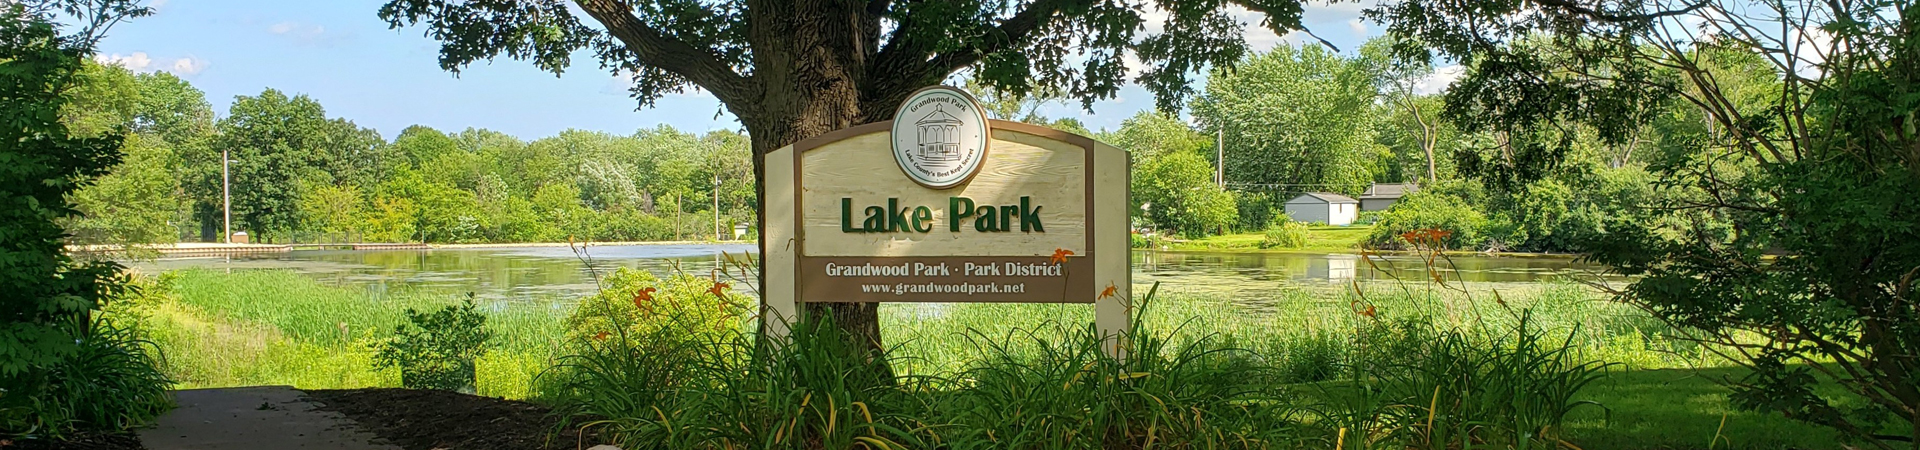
[[1323, 207]]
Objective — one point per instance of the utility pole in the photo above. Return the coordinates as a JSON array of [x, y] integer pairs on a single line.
[[716, 207], [226, 199], [1220, 159], [1220, 163]]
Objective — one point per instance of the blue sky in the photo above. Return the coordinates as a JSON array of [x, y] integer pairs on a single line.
[[341, 54]]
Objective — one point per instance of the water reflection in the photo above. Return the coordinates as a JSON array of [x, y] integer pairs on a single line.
[[558, 273], [1253, 277], [525, 273]]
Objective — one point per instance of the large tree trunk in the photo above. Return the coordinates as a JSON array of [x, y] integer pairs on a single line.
[[810, 61]]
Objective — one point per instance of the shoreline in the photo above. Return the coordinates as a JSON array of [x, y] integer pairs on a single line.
[[205, 249], [588, 244], [1357, 252]]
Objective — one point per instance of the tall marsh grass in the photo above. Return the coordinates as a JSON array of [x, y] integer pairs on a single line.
[[1379, 367], [1194, 375], [249, 328]]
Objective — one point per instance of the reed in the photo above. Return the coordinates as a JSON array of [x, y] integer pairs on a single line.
[[1040, 380], [249, 328], [1382, 367]]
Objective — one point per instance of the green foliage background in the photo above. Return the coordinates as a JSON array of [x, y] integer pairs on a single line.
[[63, 369]]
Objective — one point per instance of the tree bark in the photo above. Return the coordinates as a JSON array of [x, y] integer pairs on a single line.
[[810, 61]]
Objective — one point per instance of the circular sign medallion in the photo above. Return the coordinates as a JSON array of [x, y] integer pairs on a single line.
[[940, 137]]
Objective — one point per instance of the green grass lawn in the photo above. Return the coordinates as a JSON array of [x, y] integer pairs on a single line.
[[1319, 238], [1683, 409]]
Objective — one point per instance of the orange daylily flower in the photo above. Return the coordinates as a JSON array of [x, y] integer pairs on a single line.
[[1370, 312], [645, 295], [1110, 291], [1060, 255], [1426, 236], [719, 289], [602, 336]]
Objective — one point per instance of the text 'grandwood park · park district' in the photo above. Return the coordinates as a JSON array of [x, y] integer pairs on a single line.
[[918, 269]]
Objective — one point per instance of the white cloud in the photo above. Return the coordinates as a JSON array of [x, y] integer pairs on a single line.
[[187, 66], [1359, 28], [1439, 80], [137, 62], [141, 62], [156, 4], [1259, 37], [305, 33], [620, 83]]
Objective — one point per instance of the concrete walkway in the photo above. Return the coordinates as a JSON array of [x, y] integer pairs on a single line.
[[266, 417]]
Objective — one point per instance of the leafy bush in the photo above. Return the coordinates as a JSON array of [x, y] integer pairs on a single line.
[[61, 368], [1367, 218], [637, 303], [109, 382], [1288, 234], [1429, 211], [1258, 210], [632, 225], [672, 388], [437, 350], [1180, 195]]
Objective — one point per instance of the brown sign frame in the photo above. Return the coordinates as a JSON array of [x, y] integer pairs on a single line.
[[1070, 289]]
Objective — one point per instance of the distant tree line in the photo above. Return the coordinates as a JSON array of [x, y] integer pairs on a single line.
[[1308, 119], [299, 175], [1294, 120]]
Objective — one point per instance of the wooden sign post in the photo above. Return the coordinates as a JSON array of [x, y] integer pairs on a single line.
[[943, 205]]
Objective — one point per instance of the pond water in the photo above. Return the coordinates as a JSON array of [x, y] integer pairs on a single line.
[[559, 273]]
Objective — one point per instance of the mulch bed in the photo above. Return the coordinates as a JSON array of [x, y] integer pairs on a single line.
[[121, 441], [433, 420]]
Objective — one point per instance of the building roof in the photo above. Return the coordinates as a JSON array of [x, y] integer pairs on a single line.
[[1388, 191], [939, 115], [1323, 197]]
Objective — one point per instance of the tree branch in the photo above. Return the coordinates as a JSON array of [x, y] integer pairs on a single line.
[[1010, 33], [904, 63], [700, 66], [1590, 12]]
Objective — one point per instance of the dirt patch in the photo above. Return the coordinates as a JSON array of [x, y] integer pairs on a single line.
[[121, 441], [432, 420]]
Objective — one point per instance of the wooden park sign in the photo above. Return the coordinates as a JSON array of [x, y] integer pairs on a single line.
[[943, 205]]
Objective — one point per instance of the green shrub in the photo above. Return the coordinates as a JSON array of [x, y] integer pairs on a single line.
[[437, 350], [1367, 218], [1136, 240], [62, 369], [1289, 234], [110, 382], [1258, 210], [1429, 211], [636, 303], [632, 225], [1181, 196]]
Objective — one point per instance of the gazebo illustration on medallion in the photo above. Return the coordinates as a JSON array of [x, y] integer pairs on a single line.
[[939, 137]]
